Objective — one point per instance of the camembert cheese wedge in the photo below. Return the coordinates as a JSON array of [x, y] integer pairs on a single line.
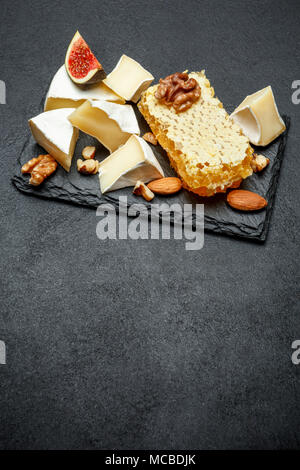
[[53, 131], [259, 118], [63, 93], [132, 162], [112, 124], [129, 79]]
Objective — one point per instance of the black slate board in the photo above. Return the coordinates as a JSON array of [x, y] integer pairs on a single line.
[[219, 217]]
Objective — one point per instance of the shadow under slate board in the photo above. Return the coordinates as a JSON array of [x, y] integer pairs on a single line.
[[76, 188]]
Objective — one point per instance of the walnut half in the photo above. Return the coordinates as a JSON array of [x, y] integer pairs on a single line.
[[178, 90], [39, 168]]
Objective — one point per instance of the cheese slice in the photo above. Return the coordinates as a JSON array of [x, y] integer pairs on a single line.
[[132, 162], [63, 93], [53, 131], [129, 79], [112, 124], [259, 118]]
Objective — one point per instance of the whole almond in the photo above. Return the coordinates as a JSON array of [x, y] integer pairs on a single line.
[[246, 200], [165, 186]]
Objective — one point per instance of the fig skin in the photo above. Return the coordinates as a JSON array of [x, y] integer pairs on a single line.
[[95, 75]]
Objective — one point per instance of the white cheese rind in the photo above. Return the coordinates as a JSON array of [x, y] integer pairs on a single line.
[[259, 118], [63, 93], [129, 79], [132, 162], [123, 115], [53, 131], [112, 124]]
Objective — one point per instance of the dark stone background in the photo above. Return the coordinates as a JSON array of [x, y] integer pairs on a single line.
[[141, 344]]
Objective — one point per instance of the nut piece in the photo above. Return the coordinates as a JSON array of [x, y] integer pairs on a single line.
[[149, 137], [28, 167], [246, 200], [87, 167], [46, 166], [259, 162], [39, 168], [141, 189], [165, 186], [88, 152], [179, 91]]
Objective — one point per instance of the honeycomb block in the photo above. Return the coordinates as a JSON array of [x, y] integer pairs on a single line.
[[205, 147]]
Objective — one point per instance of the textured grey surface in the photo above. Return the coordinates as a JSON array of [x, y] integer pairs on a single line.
[[141, 344]]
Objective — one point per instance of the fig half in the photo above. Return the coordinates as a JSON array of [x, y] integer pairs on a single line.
[[81, 64]]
